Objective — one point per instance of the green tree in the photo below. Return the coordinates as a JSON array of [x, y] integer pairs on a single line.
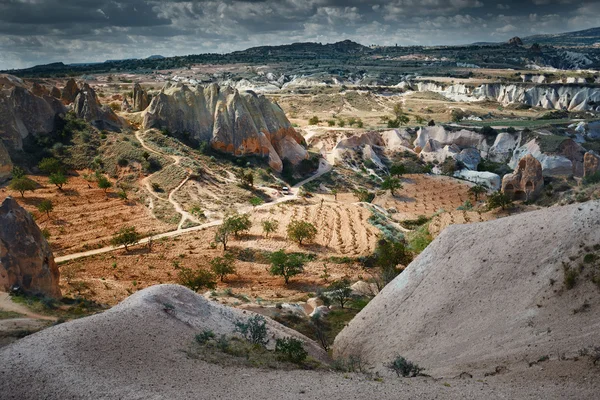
[[331, 122], [222, 236], [23, 184], [126, 236], [300, 231], [223, 266], [58, 178], [392, 184], [314, 120], [237, 224], [104, 183], [477, 190], [286, 265], [419, 120], [397, 169], [334, 192], [341, 292], [51, 165], [363, 195], [498, 199], [256, 201], [269, 226], [46, 207], [196, 279], [17, 172]]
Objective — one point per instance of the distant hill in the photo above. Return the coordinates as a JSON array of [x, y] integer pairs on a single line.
[[586, 37]]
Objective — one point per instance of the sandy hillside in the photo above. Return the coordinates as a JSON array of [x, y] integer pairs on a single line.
[[493, 295], [142, 349]]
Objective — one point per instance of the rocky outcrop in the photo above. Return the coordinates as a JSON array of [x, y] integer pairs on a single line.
[[5, 163], [462, 138], [141, 100], [125, 106], [527, 180], [39, 90], [55, 92], [26, 260], [470, 158], [87, 107], [240, 123], [479, 297], [565, 159], [488, 179], [70, 91], [515, 41], [550, 96], [591, 164], [22, 113]]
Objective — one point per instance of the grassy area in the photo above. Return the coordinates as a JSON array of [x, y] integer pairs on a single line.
[[64, 309], [534, 123], [9, 315]]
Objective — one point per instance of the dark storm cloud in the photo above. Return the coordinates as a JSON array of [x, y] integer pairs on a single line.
[[41, 31]]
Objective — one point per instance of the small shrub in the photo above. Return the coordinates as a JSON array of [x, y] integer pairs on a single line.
[[590, 258], [313, 121], [570, 278], [205, 336], [401, 366], [254, 329], [291, 349], [197, 279]]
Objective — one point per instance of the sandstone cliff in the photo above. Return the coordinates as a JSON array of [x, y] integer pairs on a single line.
[[240, 123], [26, 260]]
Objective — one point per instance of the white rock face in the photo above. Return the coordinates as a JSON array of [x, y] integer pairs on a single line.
[[558, 97], [462, 138], [396, 140], [241, 123], [503, 147], [484, 178], [552, 165], [479, 296], [470, 157], [369, 154]]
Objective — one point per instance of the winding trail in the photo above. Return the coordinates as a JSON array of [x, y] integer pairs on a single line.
[[324, 167], [185, 216]]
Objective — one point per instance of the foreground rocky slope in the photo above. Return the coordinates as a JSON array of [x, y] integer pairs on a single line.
[[240, 123], [140, 349], [26, 260], [490, 296]]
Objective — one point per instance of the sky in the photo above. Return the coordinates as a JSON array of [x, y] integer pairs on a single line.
[[43, 31]]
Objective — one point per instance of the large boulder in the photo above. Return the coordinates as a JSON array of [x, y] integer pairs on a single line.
[[487, 297], [488, 179], [70, 91], [591, 164], [240, 123], [88, 107], [5, 163], [527, 180], [141, 100], [22, 113], [26, 260]]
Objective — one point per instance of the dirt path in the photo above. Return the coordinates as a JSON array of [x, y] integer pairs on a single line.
[[324, 167], [6, 304], [185, 216]]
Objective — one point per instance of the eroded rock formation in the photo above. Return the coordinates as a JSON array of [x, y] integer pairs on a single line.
[[141, 100], [527, 180], [70, 91], [240, 123], [87, 107], [591, 164], [22, 113], [26, 260]]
